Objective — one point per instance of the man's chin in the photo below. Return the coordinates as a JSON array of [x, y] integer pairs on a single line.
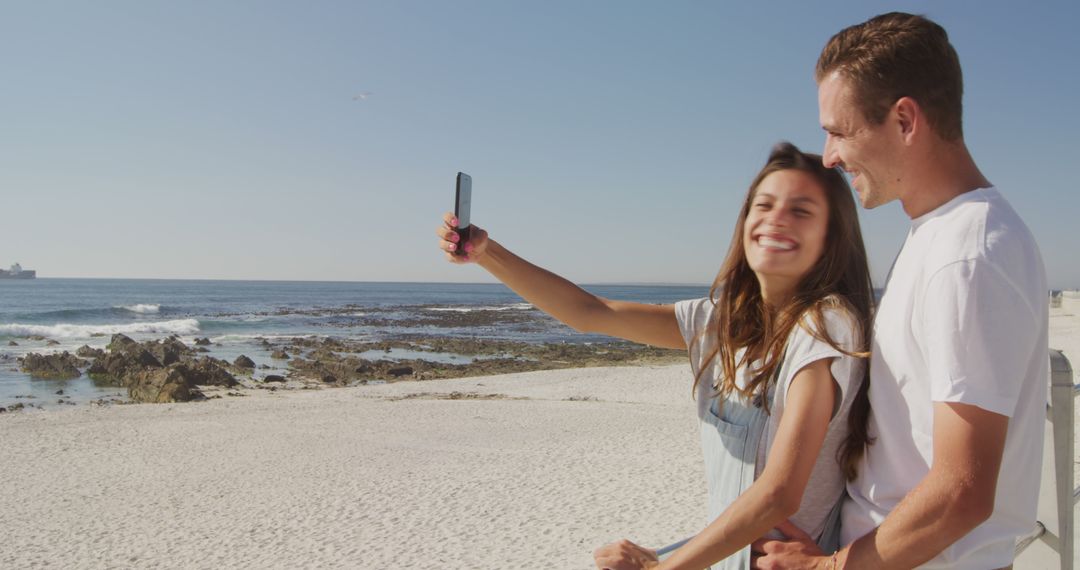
[[871, 200]]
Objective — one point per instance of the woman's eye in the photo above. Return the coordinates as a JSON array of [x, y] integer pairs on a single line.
[[802, 213]]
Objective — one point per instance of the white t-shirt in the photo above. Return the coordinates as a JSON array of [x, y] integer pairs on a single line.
[[826, 482], [964, 318]]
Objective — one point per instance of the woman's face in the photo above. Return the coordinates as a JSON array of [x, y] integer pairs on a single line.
[[785, 230]]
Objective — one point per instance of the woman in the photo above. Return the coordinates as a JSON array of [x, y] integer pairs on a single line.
[[777, 354]]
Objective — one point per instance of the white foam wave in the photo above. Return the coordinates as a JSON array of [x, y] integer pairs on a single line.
[[243, 338], [141, 308], [514, 307], [180, 326]]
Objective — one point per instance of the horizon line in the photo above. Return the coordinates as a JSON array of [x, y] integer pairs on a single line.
[[436, 282]]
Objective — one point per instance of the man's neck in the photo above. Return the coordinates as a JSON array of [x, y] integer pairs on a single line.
[[943, 173]]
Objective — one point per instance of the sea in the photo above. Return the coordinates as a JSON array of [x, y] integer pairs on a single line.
[[49, 315]]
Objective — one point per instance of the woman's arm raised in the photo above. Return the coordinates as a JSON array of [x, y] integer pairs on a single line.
[[638, 322]]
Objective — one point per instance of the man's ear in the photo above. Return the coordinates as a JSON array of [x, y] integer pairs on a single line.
[[909, 118]]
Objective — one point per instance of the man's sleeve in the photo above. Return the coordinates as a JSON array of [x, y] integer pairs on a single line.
[[980, 332]]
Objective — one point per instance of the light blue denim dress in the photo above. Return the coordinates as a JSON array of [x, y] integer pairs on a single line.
[[730, 436], [734, 432]]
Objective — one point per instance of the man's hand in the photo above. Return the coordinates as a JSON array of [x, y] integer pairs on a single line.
[[798, 552], [624, 555]]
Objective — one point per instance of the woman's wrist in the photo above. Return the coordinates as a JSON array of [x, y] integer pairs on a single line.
[[490, 256]]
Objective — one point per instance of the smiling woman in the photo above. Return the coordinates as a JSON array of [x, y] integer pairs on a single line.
[[776, 351], [785, 229]]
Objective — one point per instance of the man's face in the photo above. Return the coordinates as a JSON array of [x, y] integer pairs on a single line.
[[864, 150]]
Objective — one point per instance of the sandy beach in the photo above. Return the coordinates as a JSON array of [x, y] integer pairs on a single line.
[[391, 476], [528, 470]]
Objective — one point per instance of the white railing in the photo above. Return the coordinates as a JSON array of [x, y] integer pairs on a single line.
[[1058, 535]]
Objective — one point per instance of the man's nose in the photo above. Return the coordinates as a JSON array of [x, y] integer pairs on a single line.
[[830, 157]]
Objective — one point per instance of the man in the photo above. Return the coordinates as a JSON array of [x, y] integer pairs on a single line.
[[959, 361]]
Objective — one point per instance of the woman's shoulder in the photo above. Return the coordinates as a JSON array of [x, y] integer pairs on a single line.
[[839, 319], [693, 316], [691, 310]]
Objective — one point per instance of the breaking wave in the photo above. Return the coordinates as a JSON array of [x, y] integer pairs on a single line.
[[141, 308], [514, 307], [64, 330]]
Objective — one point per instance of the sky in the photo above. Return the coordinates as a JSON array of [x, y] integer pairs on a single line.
[[609, 141]]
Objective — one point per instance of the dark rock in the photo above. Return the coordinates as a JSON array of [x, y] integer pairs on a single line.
[[12, 343], [400, 371], [172, 384], [35, 337], [59, 392], [202, 341], [279, 355], [329, 379], [16, 407], [201, 349], [51, 366], [96, 335], [120, 342], [178, 382], [243, 362], [113, 368], [207, 372], [127, 358], [274, 378], [52, 342], [86, 352], [168, 351]]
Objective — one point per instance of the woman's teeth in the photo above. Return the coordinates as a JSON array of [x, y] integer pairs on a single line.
[[769, 242]]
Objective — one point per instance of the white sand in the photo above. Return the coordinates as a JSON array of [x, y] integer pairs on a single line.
[[350, 478], [360, 478]]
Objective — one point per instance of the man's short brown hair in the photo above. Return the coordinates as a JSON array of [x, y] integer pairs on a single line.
[[898, 55]]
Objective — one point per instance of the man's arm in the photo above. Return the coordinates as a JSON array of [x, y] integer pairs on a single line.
[[955, 496]]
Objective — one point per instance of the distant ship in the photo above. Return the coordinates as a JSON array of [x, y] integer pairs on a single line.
[[17, 272]]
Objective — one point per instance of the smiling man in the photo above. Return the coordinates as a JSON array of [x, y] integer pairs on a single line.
[[959, 361]]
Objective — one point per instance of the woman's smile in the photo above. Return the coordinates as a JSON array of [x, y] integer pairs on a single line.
[[775, 242]]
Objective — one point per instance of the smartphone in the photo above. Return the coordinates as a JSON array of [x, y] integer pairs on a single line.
[[462, 205]]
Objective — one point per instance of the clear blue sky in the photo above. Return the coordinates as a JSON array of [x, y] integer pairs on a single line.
[[608, 141]]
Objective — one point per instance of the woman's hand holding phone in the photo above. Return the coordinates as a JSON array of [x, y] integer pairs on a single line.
[[460, 250]]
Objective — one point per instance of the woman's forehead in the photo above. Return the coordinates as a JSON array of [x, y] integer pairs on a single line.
[[793, 185]]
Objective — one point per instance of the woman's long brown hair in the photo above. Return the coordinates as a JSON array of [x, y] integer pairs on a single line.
[[839, 280]]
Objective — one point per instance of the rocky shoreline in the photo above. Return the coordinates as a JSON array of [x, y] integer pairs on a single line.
[[170, 371]]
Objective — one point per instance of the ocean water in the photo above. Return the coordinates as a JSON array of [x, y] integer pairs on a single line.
[[233, 314]]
